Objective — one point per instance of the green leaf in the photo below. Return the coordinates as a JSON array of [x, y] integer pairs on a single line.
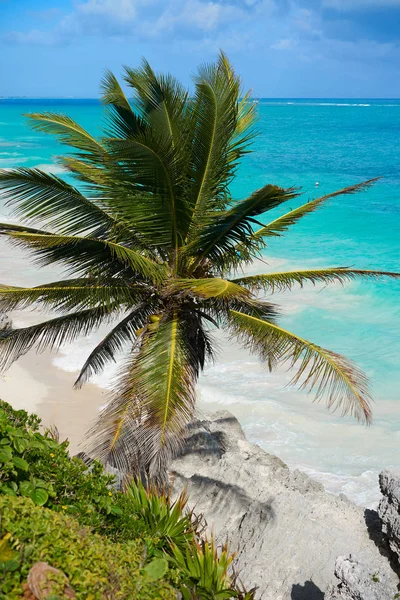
[[39, 496], [41, 483], [85, 254], [156, 569], [115, 341], [36, 444], [163, 377], [26, 488], [20, 463], [9, 565], [115, 510], [5, 454], [225, 231], [7, 490], [20, 444]]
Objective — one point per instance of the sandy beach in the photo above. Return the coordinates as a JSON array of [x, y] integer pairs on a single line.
[[36, 385]]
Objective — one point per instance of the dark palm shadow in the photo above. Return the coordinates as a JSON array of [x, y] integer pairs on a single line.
[[225, 494], [308, 591]]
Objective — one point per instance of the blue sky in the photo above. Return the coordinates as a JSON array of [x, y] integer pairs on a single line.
[[282, 48]]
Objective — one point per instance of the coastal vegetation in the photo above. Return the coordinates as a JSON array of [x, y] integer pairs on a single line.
[[108, 543], [155, 247]]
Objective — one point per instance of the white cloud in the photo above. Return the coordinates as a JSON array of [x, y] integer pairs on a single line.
[[118, 10], [104, 17], [204, 16], [284, 44], [143, 18], [351, 5]]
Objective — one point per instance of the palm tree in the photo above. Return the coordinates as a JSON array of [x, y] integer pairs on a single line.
[[155, 246]]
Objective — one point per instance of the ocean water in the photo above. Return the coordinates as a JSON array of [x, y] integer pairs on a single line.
[[335, 143]]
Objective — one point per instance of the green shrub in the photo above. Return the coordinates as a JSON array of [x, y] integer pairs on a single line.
[[34, 465], [96, 567], [162, 536]]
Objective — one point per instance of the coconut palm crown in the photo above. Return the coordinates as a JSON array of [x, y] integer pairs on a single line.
[[155, 245]]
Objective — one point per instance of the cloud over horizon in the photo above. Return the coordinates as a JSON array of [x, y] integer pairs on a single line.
[[282, 33]]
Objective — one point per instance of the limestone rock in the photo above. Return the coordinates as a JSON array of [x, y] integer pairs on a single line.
[[287, 530], [359, 582], [389, 508]]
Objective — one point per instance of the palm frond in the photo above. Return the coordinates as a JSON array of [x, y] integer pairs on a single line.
[[273, 282], [210, 288], [68, 132], [218, 240], [94, 176], [163, 104], [88, 256], [215, 149], [112, 92], [333, 376], [122, 121], [13, 228], [281, 224], [73, 294], [247, 116], [51, 334], [153, 191], [144, 424], [38, 197], [125, 332], [161, 101]]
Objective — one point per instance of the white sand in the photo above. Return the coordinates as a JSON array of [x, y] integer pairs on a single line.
[[36, 385]]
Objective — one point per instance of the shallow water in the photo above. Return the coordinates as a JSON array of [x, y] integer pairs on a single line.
[[335, 143]]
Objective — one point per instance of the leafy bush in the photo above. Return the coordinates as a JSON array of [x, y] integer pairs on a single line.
[[142, 521], [34, 465], [96, 567]]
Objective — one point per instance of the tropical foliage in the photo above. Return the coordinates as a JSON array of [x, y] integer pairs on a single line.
[[152, 244], [109, 543]]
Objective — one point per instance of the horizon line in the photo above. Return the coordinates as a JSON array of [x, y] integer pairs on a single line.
[[18, 97]]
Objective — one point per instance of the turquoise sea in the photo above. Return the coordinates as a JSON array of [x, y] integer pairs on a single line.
[[335, 143]]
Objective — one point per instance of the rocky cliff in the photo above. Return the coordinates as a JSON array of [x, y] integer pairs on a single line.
[[287, 530]]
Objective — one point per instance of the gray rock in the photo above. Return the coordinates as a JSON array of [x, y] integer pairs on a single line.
[[359, 582], [389, 508], [287, 530]]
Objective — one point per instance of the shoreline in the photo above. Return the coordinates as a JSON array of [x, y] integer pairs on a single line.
[[34, 384]]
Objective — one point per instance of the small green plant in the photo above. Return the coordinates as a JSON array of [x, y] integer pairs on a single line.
[[375, 577], [165, 520], [206, 571]]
